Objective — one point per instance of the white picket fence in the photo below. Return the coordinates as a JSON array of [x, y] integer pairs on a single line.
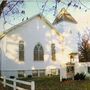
[[14, 86]]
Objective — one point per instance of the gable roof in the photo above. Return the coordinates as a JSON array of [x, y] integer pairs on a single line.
[[38, 15], [64, 16]]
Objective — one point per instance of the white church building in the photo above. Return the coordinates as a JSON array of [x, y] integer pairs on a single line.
[[36, 47]]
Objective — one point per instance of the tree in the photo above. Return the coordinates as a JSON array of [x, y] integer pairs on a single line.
[[9, 7], [84, 48], [9, 4], [75, 3], [2, 6]]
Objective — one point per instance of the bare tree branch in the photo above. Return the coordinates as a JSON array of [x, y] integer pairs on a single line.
[[84, 48], [2, 6]]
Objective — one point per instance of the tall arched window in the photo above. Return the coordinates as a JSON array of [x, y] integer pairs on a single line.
[[38, 52], [53, 52], [21, 50]]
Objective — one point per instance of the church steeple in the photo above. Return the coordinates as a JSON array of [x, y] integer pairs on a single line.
[[63, 15]]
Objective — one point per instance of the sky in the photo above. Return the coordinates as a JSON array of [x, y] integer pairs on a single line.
[[32, 7]]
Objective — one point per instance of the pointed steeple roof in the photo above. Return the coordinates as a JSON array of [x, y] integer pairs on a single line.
[[64, 16]]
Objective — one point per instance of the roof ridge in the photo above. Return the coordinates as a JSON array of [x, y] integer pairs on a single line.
[[21, 23]]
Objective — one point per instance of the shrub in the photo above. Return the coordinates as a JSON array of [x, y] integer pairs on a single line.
[[29, 76], [64, 79], [79, 76], [20, 75], [82, 76], [12, 77], [76, 77]]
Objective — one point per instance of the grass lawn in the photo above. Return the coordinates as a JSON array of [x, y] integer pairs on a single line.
[[53, 83]]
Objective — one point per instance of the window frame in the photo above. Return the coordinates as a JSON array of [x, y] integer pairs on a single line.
[[53, 52], [21, 50], [38, 52]]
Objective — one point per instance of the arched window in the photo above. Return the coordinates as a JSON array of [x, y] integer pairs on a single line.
[[53, 52], [38, 53], [21, 50]]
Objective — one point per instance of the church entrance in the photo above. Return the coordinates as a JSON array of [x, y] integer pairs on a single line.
[[70, 70], [0, 62]]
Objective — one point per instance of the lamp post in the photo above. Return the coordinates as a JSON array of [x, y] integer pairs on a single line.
[[72, 56]]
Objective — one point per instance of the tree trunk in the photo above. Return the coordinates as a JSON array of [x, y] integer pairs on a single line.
[[2, 6]]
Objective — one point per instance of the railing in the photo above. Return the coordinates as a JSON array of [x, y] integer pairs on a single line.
[[14, 85]]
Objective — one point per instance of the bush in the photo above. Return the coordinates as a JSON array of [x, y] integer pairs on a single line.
[[12, 77], [82, 76], [64, 79], [76, 77], [29, 76], [79, 76], [20, 75]]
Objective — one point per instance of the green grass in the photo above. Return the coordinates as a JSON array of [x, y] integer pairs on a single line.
[[53, 83]]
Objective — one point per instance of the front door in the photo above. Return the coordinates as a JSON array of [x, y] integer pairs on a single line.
[[70, 70]]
